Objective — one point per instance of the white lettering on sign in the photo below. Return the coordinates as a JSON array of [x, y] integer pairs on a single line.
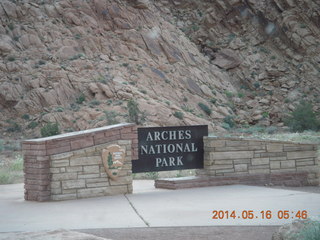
[[169, 135], [169, 162], [168, 148]]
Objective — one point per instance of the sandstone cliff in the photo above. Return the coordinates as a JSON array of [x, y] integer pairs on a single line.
[[270, 50], [80, 62]]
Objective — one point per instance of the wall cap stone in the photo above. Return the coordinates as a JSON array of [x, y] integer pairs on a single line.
[[77, 133], [257, 139]]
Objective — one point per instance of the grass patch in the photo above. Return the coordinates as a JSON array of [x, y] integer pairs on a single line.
[[12, 173], [273, 133], [111, 117]]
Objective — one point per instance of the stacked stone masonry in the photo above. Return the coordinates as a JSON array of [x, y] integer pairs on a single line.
[[69, 166], [239, 158]]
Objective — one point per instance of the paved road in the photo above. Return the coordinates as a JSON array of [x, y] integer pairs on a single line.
[[149, 210]]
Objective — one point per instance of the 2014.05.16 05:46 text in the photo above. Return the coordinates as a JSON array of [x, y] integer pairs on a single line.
[[264, 214]]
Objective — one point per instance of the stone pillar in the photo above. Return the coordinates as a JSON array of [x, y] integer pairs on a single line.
[[69, 166]]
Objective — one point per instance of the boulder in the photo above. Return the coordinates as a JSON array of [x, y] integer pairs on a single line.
[[9, 8], [226, 59], [5, 46], [141, 4], [66, 52]]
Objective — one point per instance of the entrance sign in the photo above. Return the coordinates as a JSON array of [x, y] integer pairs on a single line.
[[113, 158], [170, 148]]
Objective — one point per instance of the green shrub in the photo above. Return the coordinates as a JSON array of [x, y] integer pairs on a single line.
[[256, 85], [77, 36], [265, 114], [240, 95], [178, 115], [205, 108], [303, 118], [143, 91], [32, 125], [226, 126], [50, 129], [311, 231], [111, 117], [1, 145], [230, 121], [81, 99], [59, 109], [14, 127], [229, 94], [11, 26], [42, 62], [75, 107], [195, 27], [94, 103], [77, 56], [16, 38], [25, 116], [11, 58], [186, 108], [213, 100], [102, 79]]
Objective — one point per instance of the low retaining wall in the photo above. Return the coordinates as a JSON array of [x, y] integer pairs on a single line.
[[252, 162], [69, 166], [242, 157]]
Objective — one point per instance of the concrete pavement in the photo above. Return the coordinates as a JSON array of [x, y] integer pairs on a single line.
[[149, 207]]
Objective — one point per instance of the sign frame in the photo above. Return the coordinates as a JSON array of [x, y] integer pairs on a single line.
[[170, 148]]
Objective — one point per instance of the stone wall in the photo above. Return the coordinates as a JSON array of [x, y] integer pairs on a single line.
[[69, 166], [271, 160]]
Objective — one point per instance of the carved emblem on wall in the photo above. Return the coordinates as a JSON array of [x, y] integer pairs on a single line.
[[113, 158]]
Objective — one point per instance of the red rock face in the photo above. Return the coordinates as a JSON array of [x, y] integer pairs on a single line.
[[108, 52]]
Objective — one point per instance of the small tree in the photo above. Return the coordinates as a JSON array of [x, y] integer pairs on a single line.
[[303, 118], [110, 162], [134, 113]]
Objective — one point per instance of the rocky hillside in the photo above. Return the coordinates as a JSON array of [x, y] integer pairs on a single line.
[[79, 63], [270, 50]]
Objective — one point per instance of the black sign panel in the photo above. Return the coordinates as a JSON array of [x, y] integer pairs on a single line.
[[170, 148]]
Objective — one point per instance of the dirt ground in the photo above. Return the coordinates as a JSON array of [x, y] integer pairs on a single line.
[[186, 233]]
